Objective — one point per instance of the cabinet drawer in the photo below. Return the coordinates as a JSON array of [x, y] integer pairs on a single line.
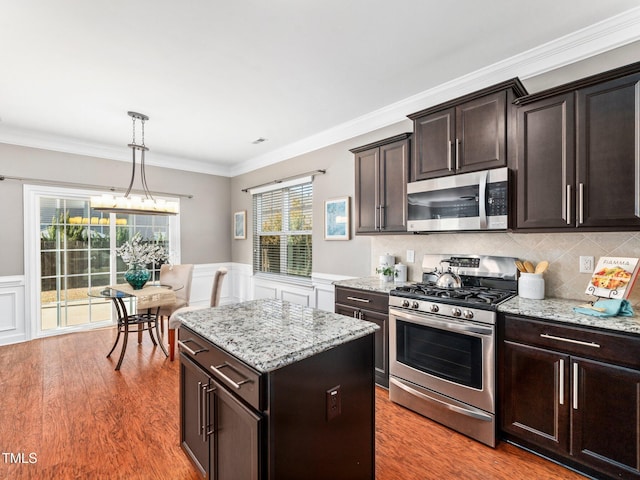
[[596, 344], [227, 369], [362, 299]]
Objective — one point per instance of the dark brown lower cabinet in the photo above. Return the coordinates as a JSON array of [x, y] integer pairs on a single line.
[[582, 411], [312, 419], [372, 307], [219, 433]]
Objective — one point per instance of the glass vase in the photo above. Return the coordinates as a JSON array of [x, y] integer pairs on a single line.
[[137, 276]]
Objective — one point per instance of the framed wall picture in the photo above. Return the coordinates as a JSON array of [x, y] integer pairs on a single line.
[[240, 225], [336, 219]]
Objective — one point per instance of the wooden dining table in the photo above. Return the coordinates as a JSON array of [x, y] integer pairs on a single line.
[[148, 301]]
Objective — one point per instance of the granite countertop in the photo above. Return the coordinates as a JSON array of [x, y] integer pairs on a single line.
[[268, 334], [373, 284], [561, 310]]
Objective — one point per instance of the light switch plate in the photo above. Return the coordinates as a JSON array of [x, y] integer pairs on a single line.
[[587, 264], [411, 256]]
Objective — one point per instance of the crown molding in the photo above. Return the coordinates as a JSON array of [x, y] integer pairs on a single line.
[[46, 141], [603, 36]]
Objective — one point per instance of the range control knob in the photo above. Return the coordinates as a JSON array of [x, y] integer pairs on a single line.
[[468, 314], [434, 308], [415, 305], [405, 303], [456, 312]]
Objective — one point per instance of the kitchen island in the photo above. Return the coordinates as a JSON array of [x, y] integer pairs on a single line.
[[275, 390]]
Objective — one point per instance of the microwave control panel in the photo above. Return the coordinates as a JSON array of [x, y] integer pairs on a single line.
[[497, 199]]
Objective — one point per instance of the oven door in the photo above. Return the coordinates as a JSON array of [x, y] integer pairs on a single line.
[[453, 357]]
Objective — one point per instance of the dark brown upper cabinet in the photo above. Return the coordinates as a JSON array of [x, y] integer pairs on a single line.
[[466, 134], [382, 173], [578, 165]]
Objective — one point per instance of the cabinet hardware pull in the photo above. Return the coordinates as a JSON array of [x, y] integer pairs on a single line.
[[575, 385], [375, 218], [235, 385], [355, 314], [207, 421], [356, 299], [382, 222], [561, 389], [200, 421], [581, 203], [184, 346], [457, 154], [568, 203], [449, 167], [570, 340], [203, 400]]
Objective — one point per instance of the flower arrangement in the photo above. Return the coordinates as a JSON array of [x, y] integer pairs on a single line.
[[135, 253]]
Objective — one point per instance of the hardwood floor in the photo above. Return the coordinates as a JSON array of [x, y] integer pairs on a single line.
[[66, 414]]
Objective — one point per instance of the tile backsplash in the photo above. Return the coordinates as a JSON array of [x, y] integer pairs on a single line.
[[562, 250]]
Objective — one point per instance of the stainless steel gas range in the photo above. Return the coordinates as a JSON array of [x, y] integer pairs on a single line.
[[442, 351]]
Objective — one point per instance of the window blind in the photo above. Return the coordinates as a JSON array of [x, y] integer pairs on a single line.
[[282, 226]]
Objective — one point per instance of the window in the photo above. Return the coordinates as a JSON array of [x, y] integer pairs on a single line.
[[282, 224], [71, 248]]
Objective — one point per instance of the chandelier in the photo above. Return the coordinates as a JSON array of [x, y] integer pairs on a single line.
[[146, 205]]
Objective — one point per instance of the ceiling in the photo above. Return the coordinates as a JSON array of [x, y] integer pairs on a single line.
[[213, 76]]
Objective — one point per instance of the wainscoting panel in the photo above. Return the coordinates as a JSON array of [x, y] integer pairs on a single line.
[[12, 308]]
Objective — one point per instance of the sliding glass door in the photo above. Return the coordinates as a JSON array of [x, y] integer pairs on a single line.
[[75, 251]]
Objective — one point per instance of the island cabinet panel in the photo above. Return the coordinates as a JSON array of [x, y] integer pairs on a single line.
[[311, 418], [372, 307], [578, 163], [572, 393], [467, 134], [382, 173]]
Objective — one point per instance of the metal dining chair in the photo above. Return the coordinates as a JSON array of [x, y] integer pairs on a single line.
[[174, 321]]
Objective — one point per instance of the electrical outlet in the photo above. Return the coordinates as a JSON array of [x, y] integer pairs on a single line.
[[586, 264], [411, 256], [334, 402]]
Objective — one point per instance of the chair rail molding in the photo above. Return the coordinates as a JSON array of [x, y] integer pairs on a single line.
[[12, 310]]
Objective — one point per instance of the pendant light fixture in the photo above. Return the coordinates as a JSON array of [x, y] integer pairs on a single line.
[[146, 205]]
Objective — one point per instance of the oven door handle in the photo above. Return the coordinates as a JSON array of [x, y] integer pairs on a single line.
[[429, 321], [454, 408]]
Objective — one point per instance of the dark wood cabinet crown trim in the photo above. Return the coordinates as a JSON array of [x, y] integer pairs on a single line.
[[515, 84], [580, 83], [380, 143]]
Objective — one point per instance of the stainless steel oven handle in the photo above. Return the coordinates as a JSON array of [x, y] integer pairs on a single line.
[[430, 321], [453, 408]]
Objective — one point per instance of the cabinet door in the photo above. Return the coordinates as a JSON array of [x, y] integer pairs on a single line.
[[433, 146], [235, 440], [605, 417], [394, 175], [381, 339], [194, 383], [481, 130], [367, 202], [535, 396], [608, 154], [546, 164]]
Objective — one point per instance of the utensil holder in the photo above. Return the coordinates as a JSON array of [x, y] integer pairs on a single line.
[[531, 285]]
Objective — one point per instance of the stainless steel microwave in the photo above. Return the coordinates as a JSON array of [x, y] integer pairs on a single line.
[[469, 201]]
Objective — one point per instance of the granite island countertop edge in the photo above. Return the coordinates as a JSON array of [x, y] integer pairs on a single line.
[[268, 334]]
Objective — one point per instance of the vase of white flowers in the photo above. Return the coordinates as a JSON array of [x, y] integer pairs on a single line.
[[137, 255]]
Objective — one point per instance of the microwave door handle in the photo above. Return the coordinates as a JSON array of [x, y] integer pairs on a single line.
[[483, 200]]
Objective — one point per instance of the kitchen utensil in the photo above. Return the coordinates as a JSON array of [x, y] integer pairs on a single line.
[[520, 266], [529, 266], [541, 267]]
